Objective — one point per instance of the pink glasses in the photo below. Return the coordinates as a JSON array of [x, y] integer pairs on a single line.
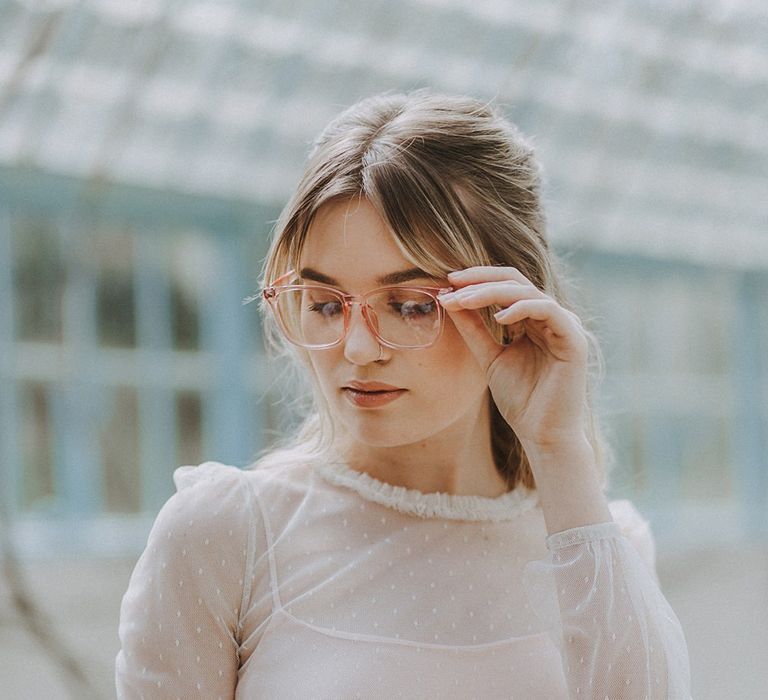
[[313, 316]]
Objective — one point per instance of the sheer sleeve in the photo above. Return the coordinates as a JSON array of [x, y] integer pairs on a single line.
[[598, 596], [179, 618]]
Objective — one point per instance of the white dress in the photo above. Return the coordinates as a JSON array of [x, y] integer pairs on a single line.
[[318, 581]]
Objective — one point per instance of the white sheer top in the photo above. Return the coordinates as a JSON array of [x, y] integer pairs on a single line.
[[318, 581]]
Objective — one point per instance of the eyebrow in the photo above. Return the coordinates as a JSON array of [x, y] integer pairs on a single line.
[[413, 273]]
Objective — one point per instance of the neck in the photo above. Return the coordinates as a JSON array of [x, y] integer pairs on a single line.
[[457, 460]]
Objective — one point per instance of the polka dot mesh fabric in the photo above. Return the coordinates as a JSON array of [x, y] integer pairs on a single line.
[[318, 581]]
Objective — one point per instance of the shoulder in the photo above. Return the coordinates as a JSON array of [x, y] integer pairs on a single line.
[[207, 477], [211, 501], [636, 529], [200, 546], [210, 484]]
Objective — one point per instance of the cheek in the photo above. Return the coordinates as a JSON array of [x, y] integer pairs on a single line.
[[454, 350], [450, 367], [323, 365]]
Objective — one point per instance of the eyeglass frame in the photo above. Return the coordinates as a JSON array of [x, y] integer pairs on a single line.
[[271, 292]]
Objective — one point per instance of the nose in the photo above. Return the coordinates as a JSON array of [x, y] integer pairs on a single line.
[[361, 345]]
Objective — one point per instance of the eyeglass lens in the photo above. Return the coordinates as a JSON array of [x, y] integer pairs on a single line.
[[315, 316]]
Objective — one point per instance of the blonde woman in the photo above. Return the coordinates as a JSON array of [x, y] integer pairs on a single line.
[[437, 527]]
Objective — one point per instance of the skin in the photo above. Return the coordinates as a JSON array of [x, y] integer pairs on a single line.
[[436, 437], [539, 384], [539, 381]]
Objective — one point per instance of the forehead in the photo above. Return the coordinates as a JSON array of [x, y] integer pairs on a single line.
[[348, 239]]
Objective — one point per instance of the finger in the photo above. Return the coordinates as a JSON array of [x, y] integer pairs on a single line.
[[482, 273], [560, 321], [487, 293], [476, 335]]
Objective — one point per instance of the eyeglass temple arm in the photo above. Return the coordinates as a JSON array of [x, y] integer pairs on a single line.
[[256, 297], [282, 278]]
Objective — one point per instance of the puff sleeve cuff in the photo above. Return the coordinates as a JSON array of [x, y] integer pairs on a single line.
[[598, 597], [180, 617]]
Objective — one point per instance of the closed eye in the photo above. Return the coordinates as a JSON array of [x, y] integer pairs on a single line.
[[322, 307]]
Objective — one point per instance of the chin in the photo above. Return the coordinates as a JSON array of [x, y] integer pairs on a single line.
[[376, 430], [393, 427], [381, 433], [377, 436]]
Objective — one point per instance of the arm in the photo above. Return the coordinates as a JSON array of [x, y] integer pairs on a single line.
[[180, 617], [601, 605], [599, 599]]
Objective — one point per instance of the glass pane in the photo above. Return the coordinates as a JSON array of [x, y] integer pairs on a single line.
[[191, 257], [115, 302], [38, 279], [119, 442], [625, 434], [189, 449], [185, 319], [706, 459], [709, 305], [38, 479]]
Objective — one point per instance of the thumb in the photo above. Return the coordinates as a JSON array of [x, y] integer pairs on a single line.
[[476, 335]]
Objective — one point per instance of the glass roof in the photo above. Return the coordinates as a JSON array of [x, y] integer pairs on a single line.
[[651, 118]]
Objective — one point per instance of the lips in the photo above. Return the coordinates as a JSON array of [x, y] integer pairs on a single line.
[[371, 387], [367, 399]]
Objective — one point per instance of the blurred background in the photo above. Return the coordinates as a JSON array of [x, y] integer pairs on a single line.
[[146, 148]]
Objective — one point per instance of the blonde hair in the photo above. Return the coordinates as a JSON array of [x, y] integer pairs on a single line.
[[459, 186]]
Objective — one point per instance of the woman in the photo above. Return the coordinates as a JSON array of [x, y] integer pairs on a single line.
[[438, 526]]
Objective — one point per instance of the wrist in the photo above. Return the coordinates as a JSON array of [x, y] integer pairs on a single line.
[[568, 483], [565, 446]]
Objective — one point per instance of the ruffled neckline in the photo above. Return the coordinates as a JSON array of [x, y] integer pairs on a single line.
[[430, 505]]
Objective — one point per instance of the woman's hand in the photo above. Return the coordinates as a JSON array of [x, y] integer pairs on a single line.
[[539, 379]]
